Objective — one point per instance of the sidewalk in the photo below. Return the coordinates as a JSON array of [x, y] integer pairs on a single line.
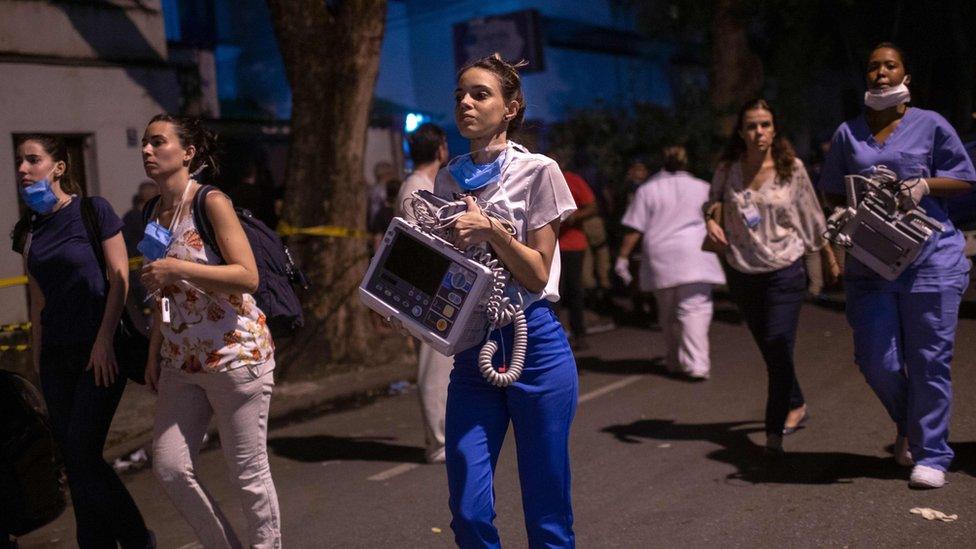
[[132, 426]]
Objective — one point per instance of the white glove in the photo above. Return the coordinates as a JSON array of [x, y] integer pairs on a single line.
[[622, 268], [910, 193]]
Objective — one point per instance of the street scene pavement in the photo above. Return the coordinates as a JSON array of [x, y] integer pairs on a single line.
[[657, 461]]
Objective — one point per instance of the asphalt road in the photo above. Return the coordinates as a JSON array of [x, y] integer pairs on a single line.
[[657, 462]]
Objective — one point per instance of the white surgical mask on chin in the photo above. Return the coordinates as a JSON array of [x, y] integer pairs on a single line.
[[882, 99]]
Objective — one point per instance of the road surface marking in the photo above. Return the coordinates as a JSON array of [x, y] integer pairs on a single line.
[[193, 545], [608, 388], [394, 471], [406, 467]]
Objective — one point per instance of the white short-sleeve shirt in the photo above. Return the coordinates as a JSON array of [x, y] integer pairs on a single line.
[[534, 192], [413, 183], [667, 210]]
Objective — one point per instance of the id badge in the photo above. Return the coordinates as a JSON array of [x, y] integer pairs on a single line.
[[750, 213]]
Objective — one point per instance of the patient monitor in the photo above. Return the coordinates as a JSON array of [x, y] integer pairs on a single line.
[[874, 229], [422, 283]]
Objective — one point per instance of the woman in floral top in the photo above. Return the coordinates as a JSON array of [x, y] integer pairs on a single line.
[[211, 354], [764, 214]]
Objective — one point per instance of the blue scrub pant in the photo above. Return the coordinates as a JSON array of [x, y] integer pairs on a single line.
[[903, 344], [540, 406]]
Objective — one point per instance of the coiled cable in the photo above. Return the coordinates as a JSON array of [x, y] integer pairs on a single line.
[[499, 308]]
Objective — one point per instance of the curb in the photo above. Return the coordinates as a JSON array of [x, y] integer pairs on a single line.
[[290, 402]]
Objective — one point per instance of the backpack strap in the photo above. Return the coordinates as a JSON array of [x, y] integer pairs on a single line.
[[93, 228], [201, 221], [149, 208], [20, 234]]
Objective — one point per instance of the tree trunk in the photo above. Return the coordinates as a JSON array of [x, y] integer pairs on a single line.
[[331, 53], [736, 72]]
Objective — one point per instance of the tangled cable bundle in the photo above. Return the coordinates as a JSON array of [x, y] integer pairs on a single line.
[[439, 219]]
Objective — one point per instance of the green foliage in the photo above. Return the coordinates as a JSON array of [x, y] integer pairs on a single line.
[[608, 138]]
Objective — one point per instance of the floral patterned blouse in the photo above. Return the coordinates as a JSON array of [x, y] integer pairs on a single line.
[[209, 331], [790, 221]]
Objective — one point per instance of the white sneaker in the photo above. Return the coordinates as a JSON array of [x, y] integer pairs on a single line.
[[903, 456], [927, 477]]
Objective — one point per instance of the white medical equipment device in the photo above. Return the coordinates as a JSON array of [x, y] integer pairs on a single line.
[[874, 229], [449, 298]]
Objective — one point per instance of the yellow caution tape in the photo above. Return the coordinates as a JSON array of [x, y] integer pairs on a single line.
[[284, 229], [134, 264], [21, 327], [13, 281], [18, 348]]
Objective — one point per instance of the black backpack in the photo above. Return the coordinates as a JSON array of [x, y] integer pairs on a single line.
[[32, 488], [277, 270]]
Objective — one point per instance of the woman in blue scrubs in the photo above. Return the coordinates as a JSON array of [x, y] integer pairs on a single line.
[[540, 406], [904, 330]]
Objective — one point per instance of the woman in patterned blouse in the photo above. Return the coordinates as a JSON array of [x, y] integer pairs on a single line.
[[764, 215], [212, 355]]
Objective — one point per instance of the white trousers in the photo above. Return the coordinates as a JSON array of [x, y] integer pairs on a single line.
[[239, 399], [685, 313], [433, 377]]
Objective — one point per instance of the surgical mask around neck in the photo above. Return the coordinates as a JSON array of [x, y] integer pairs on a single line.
[[155, 241], [156, 238], [471, 176], [885, 98], [39, 196]]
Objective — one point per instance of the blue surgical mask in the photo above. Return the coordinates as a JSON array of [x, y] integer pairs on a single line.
[[155, 241], [471, 176], [39, 197], [156, 238]]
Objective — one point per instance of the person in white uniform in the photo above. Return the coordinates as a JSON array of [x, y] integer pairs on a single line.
[[428, 150], [666, 211]]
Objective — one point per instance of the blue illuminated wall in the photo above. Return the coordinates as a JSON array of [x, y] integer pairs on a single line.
[[417, 66], [417, 61], [251, 81]]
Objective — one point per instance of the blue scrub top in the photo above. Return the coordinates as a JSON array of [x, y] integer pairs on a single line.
[[923, 145]]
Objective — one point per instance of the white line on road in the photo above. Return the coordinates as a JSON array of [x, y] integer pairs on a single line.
[[394, 471], [193, 545], [608, 388]]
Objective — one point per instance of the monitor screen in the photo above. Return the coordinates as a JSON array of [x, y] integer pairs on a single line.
[[416, 264]]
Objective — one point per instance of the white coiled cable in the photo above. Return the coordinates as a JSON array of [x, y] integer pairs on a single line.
[[499, 308]]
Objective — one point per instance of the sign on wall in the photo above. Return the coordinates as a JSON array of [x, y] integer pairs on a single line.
[[515, 35]]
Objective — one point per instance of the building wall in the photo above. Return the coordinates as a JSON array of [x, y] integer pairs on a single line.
[[423, 30], [70, 85], [118, 30]]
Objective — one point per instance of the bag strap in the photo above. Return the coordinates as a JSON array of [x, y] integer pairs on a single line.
[[20, 234], [93, 228], [149, 208], [201, 221]]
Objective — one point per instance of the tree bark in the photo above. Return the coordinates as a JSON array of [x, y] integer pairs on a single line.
[[736, 72], [331, 53]]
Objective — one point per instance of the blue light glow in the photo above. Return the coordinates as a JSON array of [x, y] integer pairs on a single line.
[[413, 121]]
